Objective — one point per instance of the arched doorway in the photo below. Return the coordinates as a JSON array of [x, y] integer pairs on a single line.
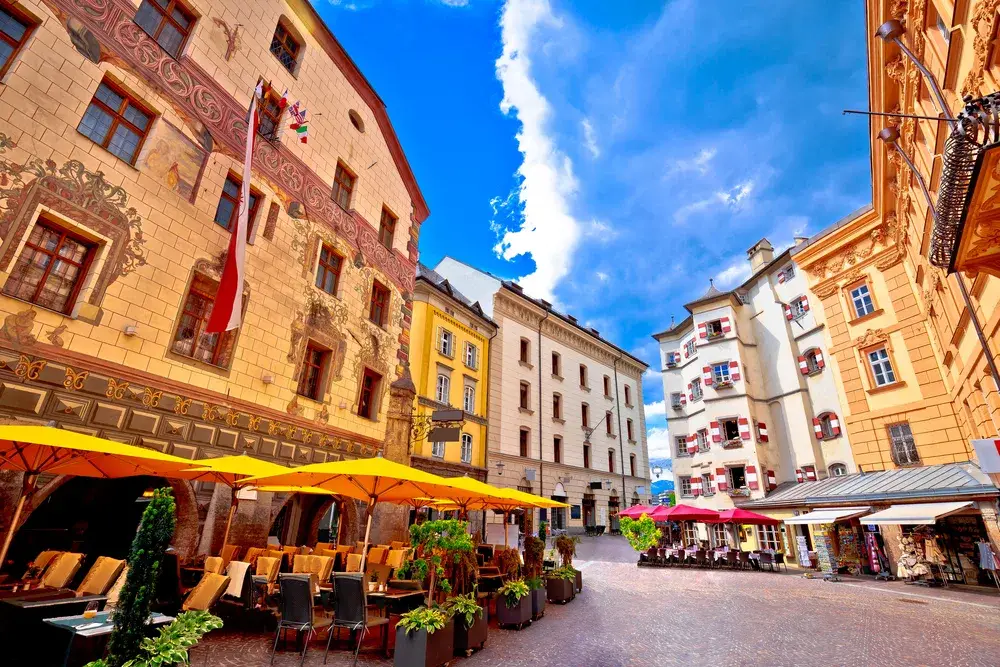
[[559, 513], [305, 519]]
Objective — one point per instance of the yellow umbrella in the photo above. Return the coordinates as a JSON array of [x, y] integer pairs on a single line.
[[373, 480], [34, 450], [231, 471]]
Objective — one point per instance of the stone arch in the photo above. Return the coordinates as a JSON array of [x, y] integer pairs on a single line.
[[352, 517]]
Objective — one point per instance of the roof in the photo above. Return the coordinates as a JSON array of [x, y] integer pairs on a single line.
[[441, 284], [948, 480], [318, 28], [831, 229], [683, 325]]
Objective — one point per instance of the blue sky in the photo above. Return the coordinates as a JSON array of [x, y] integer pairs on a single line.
[[615, 156]]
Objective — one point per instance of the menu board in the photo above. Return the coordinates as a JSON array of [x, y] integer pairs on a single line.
[[802, 547], [824, 549]]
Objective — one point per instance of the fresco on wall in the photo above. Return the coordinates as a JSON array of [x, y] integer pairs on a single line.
[[174, 160]]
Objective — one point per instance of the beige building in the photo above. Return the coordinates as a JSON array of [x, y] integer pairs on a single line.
[[122, 130], [565, 406]]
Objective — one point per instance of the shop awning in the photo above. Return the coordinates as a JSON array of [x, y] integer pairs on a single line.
[[916, 514], [828, 515]]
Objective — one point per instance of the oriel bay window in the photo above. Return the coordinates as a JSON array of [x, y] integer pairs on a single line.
[[190, 339], [116, 122], [368, 394], [328, 270], [15, 29], [168, 22], [227, 212], [51, 267], [313, 371]]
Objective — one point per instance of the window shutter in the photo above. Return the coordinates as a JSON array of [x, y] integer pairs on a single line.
[[696, 486], [781, 277], [706, 375], [819, 359], [762, 431], [744, 428], [805, 303], [752, 478], [834, 424], [810, 473], [683, 399], [686, 355], [720, 479], [692, 444], [803, 365], [702, 330], [716, 433], [690, 393], [788, 312], [772, 482], [726, 328], [440, 338], [798, 476], [818, 428], [734, 370]]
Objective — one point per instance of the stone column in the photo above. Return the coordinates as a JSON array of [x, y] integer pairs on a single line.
[[389, 522]]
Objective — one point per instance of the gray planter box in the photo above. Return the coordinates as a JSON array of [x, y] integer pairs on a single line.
[[537, 603], [519, 614], [419, 649], [469, 639], [559, 590]]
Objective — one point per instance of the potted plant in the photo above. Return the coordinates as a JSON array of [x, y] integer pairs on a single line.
[[516, 606], [471, 623], [424, 638], [534, 555], [559, 585], [174, 641], [642, 533], [442, 552], [566, 546]]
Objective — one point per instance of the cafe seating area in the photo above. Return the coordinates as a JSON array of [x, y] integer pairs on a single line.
[[677, 555]]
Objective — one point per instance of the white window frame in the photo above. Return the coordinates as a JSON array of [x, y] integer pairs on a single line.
[[769, 537], [826, 425], [466, 448], [675, 399], [681, 442], [471, 356], [881, 365], [701, 435], [446, 343], [713, 328], [720, 373], [837, 470], [437, 450], [696, 391], [469, 399], [442, 391], [797, 308], [789, 272], [707, 488], [861, 299]]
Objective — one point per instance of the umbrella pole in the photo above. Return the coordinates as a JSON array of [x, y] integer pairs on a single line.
[[26, 488], [229, 522], [368, 532]]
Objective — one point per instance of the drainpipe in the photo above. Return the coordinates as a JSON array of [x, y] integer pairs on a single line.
[[541, 441], [618, 410]]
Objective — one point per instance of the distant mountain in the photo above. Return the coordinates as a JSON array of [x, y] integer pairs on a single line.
[[666, 479], [661, 485]]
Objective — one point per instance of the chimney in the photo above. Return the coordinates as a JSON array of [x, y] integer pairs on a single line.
[[799, 240], [760, 255]]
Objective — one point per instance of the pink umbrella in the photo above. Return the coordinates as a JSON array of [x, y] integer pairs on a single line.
[[688, 513], [636, 511], [746, 517]]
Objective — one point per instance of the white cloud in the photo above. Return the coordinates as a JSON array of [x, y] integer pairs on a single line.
[[698, 164], [734, 274], [454, 3], [737, 194], [590, 139], [548, 231], [656, 409], [658, 442], [731, 198], [602, 276]]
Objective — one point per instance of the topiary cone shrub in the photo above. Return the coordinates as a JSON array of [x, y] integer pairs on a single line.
[[144, 557]]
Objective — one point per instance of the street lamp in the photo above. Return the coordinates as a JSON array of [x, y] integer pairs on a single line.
[[500, 467], [657, 470]]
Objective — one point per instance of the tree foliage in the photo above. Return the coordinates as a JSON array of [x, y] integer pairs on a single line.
[[566, 546], [641, 533], [443, 550]]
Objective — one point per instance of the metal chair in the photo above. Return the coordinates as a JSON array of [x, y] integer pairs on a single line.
[[767, 558], [351, 611], [745, 563], [296, 611], [732, 559], [779, 560]]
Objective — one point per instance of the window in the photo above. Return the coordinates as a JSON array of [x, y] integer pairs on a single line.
[[719, 533], [556, 364], [285, 47], [800, 307], [788, 272], [685, 485], [524, 435], [769, 538], [437, 450], [837, 470], [583, 376], [607, 422], [628, 430], [471, 356], [525, 395], [328, 270], [556, 406], [706, 485], [525, 351], [812, 361], [689, 348], [586, 456], [380, 303], [343, 186], [607, 386], [469, 400], [675, 400], [585, 415], [696, 390], [737, 477], [313, 369], [167, 22], [904, 449], [190, 339], [386, 228], [557, 449], [446, 343], [443, 389], [720, 373], [680, 442], [826, 426], [628, 396], [631, 464], [690, 532], [270, 116], [466, 448], [702, 437], [881, 366], [369, 393], [611, 460], [861, 298], [714, 328], [730, 429], [15, 29], [228, 210], [115, 122], [51, 268]]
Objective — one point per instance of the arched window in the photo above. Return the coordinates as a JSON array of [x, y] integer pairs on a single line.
[[469, 401], [837, 470], [443, 388], [814, 361], [826, 426]]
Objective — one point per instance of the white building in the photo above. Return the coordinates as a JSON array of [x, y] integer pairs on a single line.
[[565, 406], [749, 390]]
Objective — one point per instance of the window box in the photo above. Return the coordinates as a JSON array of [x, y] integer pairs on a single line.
[[712, 335], [734, 443], [676, 406], [725, 384], [739, 493]]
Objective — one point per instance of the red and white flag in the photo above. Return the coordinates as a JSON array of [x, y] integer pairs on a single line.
[[227, 312]]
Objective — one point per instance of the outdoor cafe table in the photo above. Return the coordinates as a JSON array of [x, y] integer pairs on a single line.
[[88, 637], [22, 630]]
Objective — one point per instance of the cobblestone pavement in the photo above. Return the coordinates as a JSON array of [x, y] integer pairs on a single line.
[[635, 617]]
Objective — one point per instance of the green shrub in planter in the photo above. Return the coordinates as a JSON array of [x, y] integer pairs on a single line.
[[171, 645], [516, 606], [560, 585], [471, 624], [424, 638]]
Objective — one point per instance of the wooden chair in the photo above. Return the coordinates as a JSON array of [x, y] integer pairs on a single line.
[[779, 561], [377, 555], [43, 561], [61, 572], [100, 577], [395, 558], [353, 562], [253, 553], [229, 553], [397, 545], [214, 565], [208, 591]]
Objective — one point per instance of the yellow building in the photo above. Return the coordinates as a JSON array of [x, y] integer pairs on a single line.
[[449, 361]]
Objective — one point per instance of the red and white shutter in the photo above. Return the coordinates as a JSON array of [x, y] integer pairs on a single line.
[[819, 359], [734, 370], [726, 327], [781, 277], [690, 393], [834, 424], [692, 444], [798, 476], [818, 428], [810, 473], [686, 354], [706, 375], [683, 399], [788, 312], [762, 431], [772, 481], [744, 428], [803, 365], [720, 479], [702, 330], [752, 478], [696, 486], [716, 433], [804, 301]]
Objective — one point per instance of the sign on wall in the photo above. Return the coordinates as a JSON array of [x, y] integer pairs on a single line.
[[574, 512], [988, 454]]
